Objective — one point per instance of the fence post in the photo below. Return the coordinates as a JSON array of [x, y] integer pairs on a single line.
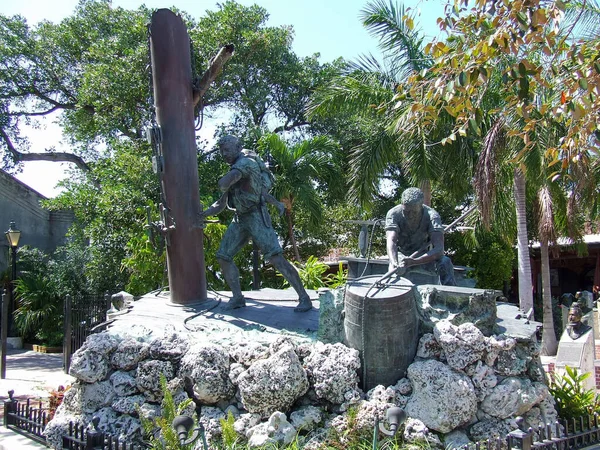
[[94, 438], [522, 440], [9, 407], [68, 334], [3, 334]]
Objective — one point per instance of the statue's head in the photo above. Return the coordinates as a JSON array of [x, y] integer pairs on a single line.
[[412, 201], [575, 314], [230, 147]]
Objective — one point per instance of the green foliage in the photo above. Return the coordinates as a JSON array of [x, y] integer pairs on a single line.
[[311, 273], [571, 397], [229, 436], [159, 430], [146, 265], [38, 313], [338, 279], [490, 256]]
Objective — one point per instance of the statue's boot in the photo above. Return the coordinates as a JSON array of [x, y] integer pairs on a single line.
[[235, 303], [304, 305]]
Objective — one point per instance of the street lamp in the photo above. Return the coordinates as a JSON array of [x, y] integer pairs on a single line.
[[13, 236]]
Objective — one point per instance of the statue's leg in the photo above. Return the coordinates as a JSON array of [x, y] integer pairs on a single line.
[[233, 240], [446, 271], [264, 236], [291, 275]]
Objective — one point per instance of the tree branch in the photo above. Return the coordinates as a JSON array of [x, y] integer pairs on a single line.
[[290, 127], [216, 64], [49, 156]]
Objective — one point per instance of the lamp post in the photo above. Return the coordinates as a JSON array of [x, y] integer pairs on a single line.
[[13, 236]]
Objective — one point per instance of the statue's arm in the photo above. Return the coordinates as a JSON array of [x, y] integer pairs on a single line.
[[436, 252], [391, 238], [216, 207], [229, 179]]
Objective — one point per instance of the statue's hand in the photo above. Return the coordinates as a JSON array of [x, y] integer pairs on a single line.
[[405, 262], [280, 208]]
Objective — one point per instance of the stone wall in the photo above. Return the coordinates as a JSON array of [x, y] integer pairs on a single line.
[[39, 227]]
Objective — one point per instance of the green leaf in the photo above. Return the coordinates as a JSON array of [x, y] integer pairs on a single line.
[[462, 79]]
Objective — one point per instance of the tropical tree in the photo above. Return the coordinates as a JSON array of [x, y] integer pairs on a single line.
[[301, 170], [389, 145]]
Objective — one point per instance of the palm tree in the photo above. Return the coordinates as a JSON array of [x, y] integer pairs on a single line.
[[300, 170], [367, 90]]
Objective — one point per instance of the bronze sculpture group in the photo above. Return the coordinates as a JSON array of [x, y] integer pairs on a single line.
[[414, 232]]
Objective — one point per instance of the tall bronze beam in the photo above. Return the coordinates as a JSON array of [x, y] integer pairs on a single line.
[[174, 103]]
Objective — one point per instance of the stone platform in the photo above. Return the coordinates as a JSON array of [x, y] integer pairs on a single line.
[[267, 310]]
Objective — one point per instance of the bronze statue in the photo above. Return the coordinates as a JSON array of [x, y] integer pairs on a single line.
[[575, 327], [244, 192], [415, 237]]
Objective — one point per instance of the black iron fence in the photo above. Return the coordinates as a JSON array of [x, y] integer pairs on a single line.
[[30, 418], [83, 316], [562, 435], [80, 438]]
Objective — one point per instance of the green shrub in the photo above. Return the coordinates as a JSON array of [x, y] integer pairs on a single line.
[[572, 399]]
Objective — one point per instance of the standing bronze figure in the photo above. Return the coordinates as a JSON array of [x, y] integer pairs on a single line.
[[242, 189]]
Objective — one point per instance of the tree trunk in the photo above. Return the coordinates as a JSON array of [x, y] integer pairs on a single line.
[[525, 283], [288, 213], [425, 186], [549, 344]]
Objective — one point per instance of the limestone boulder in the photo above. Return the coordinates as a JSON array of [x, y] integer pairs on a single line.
[[171, 346], [123, 383], [96, 396], [516, 360], [416, 432], [462, 345], [513, 397], [273, 384], [456, 439], [208, 367], [332, 371], [129, 353], [245, 422], [443, 399], [429, 347], [59, 427], [148, 376], [483, 377], [306, 419], [456, 304], [491, 428], [128, 405], [247, 352], [89, 366], [211, 421], [276, 431]]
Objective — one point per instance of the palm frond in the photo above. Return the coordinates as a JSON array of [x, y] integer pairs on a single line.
[[546, 228], [400, 42], [583, 16], [485, 171], [360, 93]]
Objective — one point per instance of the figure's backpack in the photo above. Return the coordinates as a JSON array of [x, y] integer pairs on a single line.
[[266, 175]]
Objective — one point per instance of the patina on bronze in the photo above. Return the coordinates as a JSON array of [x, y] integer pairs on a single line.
[[415, 238], [243, 192], [575, 327]]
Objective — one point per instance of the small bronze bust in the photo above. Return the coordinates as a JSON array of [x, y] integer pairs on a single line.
[[576, 328]]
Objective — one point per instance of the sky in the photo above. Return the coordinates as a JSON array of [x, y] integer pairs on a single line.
[[329, 27]]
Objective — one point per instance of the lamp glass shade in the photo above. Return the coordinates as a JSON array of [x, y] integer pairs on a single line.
[[13, 235]]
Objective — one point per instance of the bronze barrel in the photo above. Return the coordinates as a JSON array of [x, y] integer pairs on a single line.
[[381, 323]]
